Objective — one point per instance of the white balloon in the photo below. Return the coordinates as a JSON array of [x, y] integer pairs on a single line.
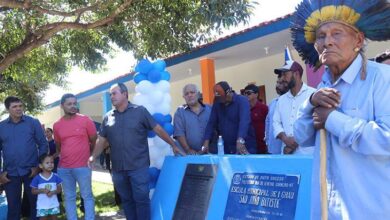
[[139, 99], [163, 86], [151, 109], [144, 87], [159, 162], [156, 97], [167, 98], [164, 108]]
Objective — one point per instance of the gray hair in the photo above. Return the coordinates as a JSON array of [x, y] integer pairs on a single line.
[[190, 86]]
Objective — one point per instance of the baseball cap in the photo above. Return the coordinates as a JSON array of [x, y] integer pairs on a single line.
[[289, 66], [252, 87]]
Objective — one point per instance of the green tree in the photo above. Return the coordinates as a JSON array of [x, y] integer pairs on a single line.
[[42, 39]]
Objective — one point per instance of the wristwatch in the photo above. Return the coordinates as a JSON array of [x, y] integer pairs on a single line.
[[241, 140]]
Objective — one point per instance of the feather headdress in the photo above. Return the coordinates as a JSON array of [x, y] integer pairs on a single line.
[[372, 17]]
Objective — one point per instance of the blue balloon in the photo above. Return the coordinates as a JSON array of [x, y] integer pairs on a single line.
[[144, 66], [168, 118], [151, 134], [168, 128], [159, 118], [159, 65], [165, 76], [154, 76], [138, 77], [154, 173]]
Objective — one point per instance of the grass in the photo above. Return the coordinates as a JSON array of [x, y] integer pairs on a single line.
[[104, 199]]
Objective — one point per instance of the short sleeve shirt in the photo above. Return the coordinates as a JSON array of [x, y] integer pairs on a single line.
[[127, 135], [191, 125], [51, 183], [73, 135]]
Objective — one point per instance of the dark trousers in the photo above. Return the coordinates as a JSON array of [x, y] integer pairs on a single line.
[[133, 189], [13, 192]]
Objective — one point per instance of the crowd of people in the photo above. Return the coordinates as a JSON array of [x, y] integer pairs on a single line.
[[350, 103]]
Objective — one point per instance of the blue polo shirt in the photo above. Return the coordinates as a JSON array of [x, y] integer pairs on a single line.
[[232, 121], [21, 144], [191, 125]]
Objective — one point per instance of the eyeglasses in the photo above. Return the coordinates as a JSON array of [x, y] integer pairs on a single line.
[[247, 93]]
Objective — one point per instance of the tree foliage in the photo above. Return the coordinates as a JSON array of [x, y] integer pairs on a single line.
[[40, 40]]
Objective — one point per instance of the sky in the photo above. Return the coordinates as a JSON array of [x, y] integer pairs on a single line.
[[79, 80]]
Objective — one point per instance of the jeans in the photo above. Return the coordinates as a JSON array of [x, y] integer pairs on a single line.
[[69, 178], [133, 189], [13, 192]]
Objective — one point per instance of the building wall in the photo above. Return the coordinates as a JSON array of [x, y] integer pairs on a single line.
[[258, 71], [50, 116]]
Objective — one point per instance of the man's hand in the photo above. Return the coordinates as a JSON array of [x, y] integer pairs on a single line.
[[191, 151], [326, 97], [34, 171], [290, 142], [3, 178], [177, 151], [288, 150], [320, 115], [291, 145], [241, 149], [204, 149], [91, 161]]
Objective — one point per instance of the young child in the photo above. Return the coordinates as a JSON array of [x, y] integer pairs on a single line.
[[47, 185]]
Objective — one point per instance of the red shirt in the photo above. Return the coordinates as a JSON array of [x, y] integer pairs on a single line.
[[258, 114], [73, 135]]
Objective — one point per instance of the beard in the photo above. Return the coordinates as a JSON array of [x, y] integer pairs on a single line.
[[291, 84]]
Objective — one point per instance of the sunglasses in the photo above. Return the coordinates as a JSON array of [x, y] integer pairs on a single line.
[[248, 93]]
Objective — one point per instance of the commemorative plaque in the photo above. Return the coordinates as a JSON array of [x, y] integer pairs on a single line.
[[262, 196], [195, 192]]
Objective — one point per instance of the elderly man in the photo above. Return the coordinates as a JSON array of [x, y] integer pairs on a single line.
[[286, 109], [190, 120], [22, 140], [351, 104], [230, 116], [125, 130]]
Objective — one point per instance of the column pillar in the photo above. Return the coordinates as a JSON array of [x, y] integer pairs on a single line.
[[207, 70], [106, 102]]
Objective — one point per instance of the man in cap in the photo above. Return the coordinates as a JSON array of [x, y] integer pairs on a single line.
[[287, 107], [230, 116], [274, 145], [259, 112]]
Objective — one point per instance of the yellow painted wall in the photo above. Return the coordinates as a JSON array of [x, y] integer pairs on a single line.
[[50, 116]]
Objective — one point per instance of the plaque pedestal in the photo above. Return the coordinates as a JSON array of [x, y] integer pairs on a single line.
[[291, 172]]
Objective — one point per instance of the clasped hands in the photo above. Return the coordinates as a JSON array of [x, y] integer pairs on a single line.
[[325, 101]]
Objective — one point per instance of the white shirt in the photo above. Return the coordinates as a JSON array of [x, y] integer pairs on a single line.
[[286, 112]]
